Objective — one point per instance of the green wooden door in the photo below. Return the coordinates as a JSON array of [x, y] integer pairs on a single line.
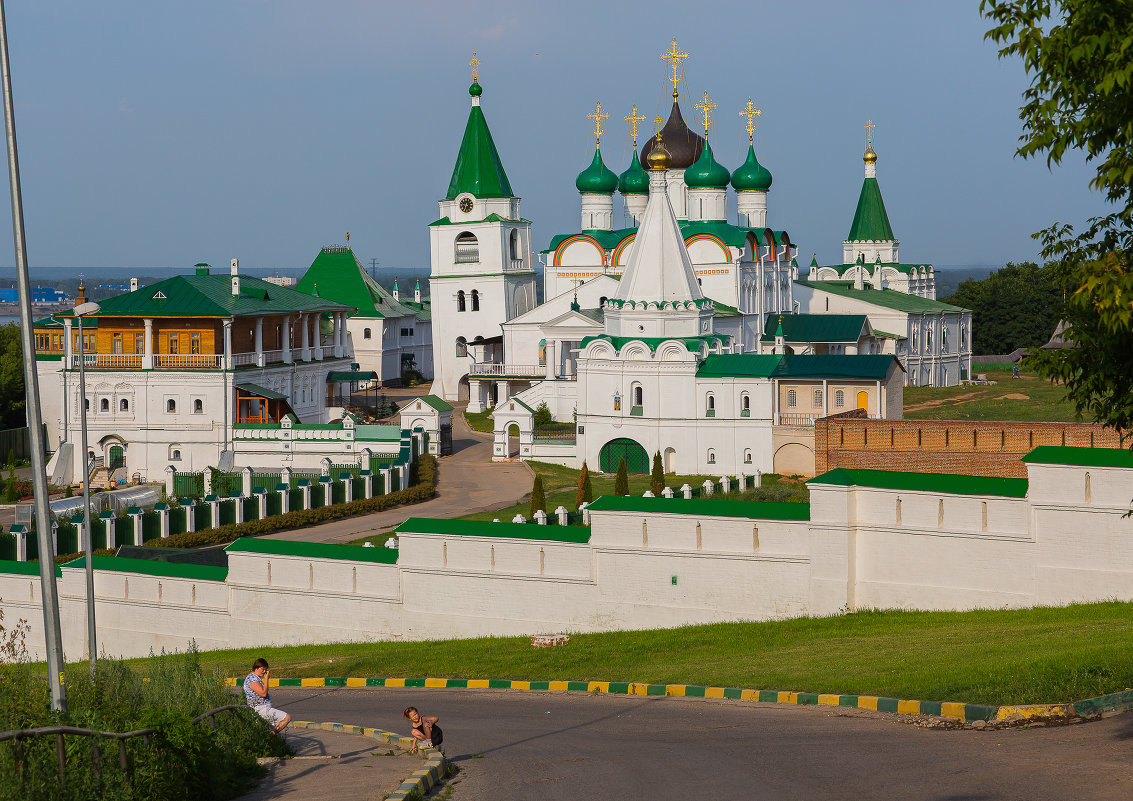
[[637, 460], [117, 457]]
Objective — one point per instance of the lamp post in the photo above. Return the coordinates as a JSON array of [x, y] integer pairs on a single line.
[[81, 311]]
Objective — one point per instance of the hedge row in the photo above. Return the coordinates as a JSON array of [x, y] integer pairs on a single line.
[[424, 489]]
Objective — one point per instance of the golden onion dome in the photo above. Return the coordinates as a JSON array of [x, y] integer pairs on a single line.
[[658, 158], [869, 157]]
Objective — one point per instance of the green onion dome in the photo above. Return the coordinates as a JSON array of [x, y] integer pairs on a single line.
[[635, 180], [475, 90], [706, 172], [751, 175], [597, 179]]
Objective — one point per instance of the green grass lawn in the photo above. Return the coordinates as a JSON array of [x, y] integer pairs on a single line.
[[479, 421], [1045, 655], [1027, 399]]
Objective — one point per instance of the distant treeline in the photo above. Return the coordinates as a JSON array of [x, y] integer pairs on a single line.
[[1014, 307]]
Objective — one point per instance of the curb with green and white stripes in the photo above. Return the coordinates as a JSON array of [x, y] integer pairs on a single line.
[[431, 773], [1090, 707]]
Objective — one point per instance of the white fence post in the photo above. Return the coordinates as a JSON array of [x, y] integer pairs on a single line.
[[563, 516], [686, 491]]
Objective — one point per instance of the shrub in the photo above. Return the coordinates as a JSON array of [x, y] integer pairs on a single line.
[[657, 477], [423, 490], [585, 492], [538, 497], [621, 480], [543, 414]]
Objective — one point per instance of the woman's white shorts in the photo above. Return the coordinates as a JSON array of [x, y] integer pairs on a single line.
[[270, 714]]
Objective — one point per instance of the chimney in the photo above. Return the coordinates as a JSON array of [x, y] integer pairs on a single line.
[[133, 284], [236, 277]]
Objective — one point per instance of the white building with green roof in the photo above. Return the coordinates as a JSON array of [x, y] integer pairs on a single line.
[[387, 334]]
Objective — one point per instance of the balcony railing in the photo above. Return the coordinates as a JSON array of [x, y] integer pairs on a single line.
[[243, 359], [467, 254], [113, 360], [797, 419], [273, 356], [185, 361], [500, 369]]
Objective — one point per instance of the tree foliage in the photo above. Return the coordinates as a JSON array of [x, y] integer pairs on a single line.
[[621, 480], [13, 411], [543, 414], [1080, 99], [585, 492], [538, 496], [1014, 307], [657, 475]]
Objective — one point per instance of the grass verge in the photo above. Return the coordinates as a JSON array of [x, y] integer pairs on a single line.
[[1027, 398], [1044, 655]]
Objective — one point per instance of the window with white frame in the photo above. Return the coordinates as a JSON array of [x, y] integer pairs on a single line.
[[792, 398], [839, 399]]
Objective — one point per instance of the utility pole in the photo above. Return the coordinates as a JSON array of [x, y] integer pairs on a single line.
[[52, 632], [374, 269]]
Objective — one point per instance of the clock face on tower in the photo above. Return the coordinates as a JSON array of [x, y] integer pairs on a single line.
[[466, 204]]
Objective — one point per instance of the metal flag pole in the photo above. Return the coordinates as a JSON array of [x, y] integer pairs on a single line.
[[52, 632], [88, 532]]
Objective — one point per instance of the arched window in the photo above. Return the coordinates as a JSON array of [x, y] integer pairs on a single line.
[[467, 248], [745, 405], [638, 394], [818, 399], [198, 406], [86, 404], [460, 301], [747, 455], [175, 453], [475, 300], [944, 339], [711, 456], [602, 300], [792, 398], [514, 245], [461, 346], [366, 333], [124, 405], [839, 399], [104, 405], [710, 405], [171, 406]]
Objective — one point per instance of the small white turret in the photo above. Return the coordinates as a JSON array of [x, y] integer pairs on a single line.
[[235, 277]]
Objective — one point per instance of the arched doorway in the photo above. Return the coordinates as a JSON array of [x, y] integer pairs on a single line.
[[513, 440], [117, 457], [670, 460], [863, 401], [637, 460]]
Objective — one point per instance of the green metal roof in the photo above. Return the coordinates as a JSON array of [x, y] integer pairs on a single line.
[[724, 310], [314, 550], [635, 180], [945, 483], [480, 528], [597, 179], [211, 296], [871, 223], [815, 327], [1081, 457], [706, 172], [703, 507], [24, 568], [493, 217], [437, 403], [478, 169], [873, 367], [352, 375], [751, 175], [423, 311], [152, 567], [377, 433], [691, 343], [336, 274], [732, 235], [263, 392], [888, 298]]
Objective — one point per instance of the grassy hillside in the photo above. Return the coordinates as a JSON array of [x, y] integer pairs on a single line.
[[1026, 398]]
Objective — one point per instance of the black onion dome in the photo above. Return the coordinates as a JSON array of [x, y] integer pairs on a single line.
[[684, 145]]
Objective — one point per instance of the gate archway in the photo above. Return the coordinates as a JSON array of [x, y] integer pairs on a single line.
[[637, 460]]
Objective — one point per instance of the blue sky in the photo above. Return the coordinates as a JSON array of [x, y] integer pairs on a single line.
[[159, 134]]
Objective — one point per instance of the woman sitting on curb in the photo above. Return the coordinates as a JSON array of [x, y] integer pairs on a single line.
[[258, 697]]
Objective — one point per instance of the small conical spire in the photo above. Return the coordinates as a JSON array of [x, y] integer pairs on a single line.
[[814, 260]]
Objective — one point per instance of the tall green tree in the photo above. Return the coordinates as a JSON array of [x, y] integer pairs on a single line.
[[621, 480], [585, 492], [1080, 100], [1014, 307], [13, 406], [538, 497], [657, 475]]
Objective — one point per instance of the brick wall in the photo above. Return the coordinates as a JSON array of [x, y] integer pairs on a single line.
[[850, 440]]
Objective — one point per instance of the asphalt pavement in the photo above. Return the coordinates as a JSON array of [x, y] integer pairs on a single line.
[[556, 746]]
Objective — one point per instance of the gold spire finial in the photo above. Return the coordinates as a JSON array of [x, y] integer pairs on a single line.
[[598, 115], [633, 119], [475, 65], [347, 239], [750, 112], [869, 126], [657, 123], [674, 56], [705, 108]]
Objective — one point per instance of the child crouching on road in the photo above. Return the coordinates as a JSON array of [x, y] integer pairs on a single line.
[[425, 731]]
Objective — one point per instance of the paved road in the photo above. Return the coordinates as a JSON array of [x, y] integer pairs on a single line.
[[469, 482], [566, 747]]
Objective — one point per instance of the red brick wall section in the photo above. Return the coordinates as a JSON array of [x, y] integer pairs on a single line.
[[944, 446]]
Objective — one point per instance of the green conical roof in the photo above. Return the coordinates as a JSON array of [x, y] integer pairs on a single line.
[[706, 172], [751, 175], [336, 274], [597, 179], [635, 180], [871, 223], [478, 170]]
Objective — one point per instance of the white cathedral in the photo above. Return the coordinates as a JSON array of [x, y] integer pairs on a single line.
[[686, 334]]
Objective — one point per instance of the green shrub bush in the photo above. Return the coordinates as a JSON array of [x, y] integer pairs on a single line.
[[423, 490]]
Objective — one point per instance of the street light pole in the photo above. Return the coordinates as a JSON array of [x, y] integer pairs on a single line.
[[52, 632], [88, 534]]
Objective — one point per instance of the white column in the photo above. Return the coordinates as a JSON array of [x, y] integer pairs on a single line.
[[475, 396], [501, 392], [227, 344], [304, 340], [147, 344], [68, 351], [259, 341], [285, 334], [552, 358], [336, 339]]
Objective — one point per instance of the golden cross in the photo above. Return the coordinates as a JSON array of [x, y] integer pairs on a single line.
[[597, 115], [869, 126], [705, 108], [475, 65], [633, 119], [674, 57], [750, 112], [347, 239], [657, 124]]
